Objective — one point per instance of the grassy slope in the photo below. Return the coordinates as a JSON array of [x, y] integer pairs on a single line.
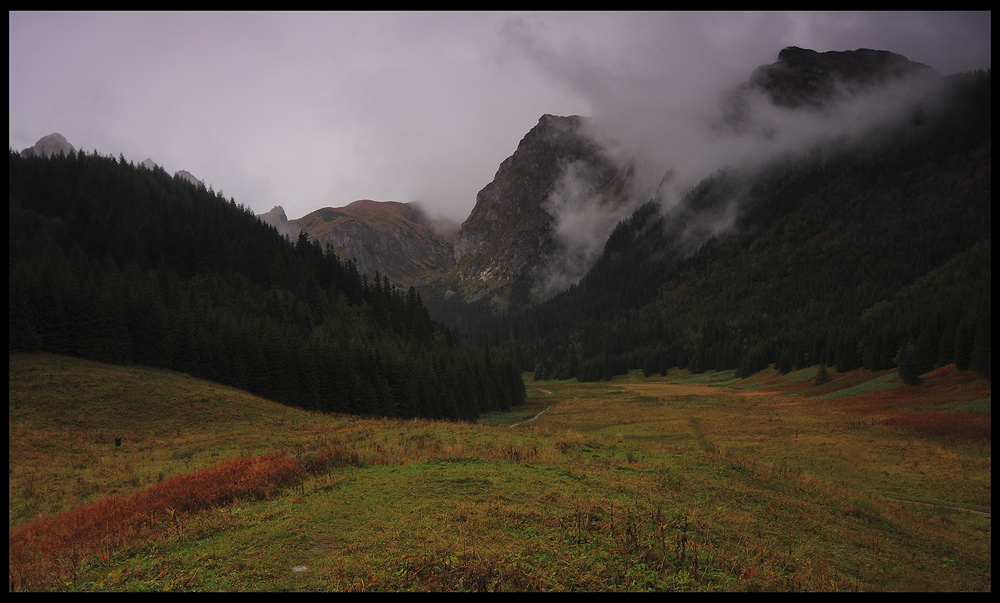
[[698, 482]]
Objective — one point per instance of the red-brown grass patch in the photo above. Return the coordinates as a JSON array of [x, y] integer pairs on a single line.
[[940, 425], [51, 547]]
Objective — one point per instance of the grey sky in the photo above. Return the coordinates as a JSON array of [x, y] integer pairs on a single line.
[[310, 110]]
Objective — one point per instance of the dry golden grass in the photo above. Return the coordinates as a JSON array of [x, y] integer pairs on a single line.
[[636, 484]]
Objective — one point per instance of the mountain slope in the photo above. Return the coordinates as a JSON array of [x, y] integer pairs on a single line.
[[277, 218], [803, 77], [814, 269], [123, 264], [395, 240], [511, 246]]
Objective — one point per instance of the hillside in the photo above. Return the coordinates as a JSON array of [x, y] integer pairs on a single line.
[[542, 222], [389, 238], [126, 264], [513, 247], [824, 262]]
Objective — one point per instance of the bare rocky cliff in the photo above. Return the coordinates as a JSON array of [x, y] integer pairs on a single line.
[[395, 240], [516, 234]]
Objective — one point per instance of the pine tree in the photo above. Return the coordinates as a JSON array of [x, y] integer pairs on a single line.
[[909, 364]]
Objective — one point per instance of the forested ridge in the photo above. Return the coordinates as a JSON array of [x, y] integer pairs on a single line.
[[873, 255], [123, 264]]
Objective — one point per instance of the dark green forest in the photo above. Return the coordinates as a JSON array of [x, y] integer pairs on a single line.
[[122, 264], [874, 254]]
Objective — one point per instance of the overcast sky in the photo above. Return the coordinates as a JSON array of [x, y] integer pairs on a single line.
[[311, 110]]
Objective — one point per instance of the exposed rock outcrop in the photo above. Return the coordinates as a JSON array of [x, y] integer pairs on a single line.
[[277, 218], [515, 234], [395, 240], [806, 77], [186, 175], [53, 144]]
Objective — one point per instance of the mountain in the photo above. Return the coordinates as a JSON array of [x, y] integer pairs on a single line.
[[149, 164], [540, 224], [277, 218], [388, 238], [47, 146], [857, 236], [522, 241], [803, 77], [871, 252], [186, 175], [512, 248]]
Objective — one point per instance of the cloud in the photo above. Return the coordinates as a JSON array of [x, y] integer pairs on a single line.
[[657, 99], [584, 215], [307, 110]]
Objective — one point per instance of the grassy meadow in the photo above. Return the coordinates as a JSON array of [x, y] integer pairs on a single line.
[[677, 483]]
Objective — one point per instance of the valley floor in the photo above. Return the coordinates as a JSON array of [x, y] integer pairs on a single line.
[[684, 482]]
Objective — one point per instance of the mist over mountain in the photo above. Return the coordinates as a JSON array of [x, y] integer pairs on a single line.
[[804, 103], [535, 227], [813, 249], [637, 190], [542, 222]]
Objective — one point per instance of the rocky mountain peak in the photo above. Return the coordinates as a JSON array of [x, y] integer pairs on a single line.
[[390, 238], [276, 217], [514, 228], [186, 175], [807, 77], [47, 146]]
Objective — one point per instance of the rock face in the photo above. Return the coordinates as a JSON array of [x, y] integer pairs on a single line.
[[47, 146], [518, 227], [149, 164], [277, 218], [186, 175], [806, 77], [394, 239]]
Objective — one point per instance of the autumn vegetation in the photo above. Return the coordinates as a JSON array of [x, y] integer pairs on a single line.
[[700, 482]]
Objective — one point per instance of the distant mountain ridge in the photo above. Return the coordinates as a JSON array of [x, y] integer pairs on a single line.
[[56, 144], [395, 240], [505, 252], [47, 146]]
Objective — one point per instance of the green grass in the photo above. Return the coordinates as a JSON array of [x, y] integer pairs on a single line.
[[866, 387], [667, 484]]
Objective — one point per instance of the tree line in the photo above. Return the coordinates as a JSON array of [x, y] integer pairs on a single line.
[[124, 264]]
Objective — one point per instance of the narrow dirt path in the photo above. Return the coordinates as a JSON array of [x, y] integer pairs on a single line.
[[534, 417]]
